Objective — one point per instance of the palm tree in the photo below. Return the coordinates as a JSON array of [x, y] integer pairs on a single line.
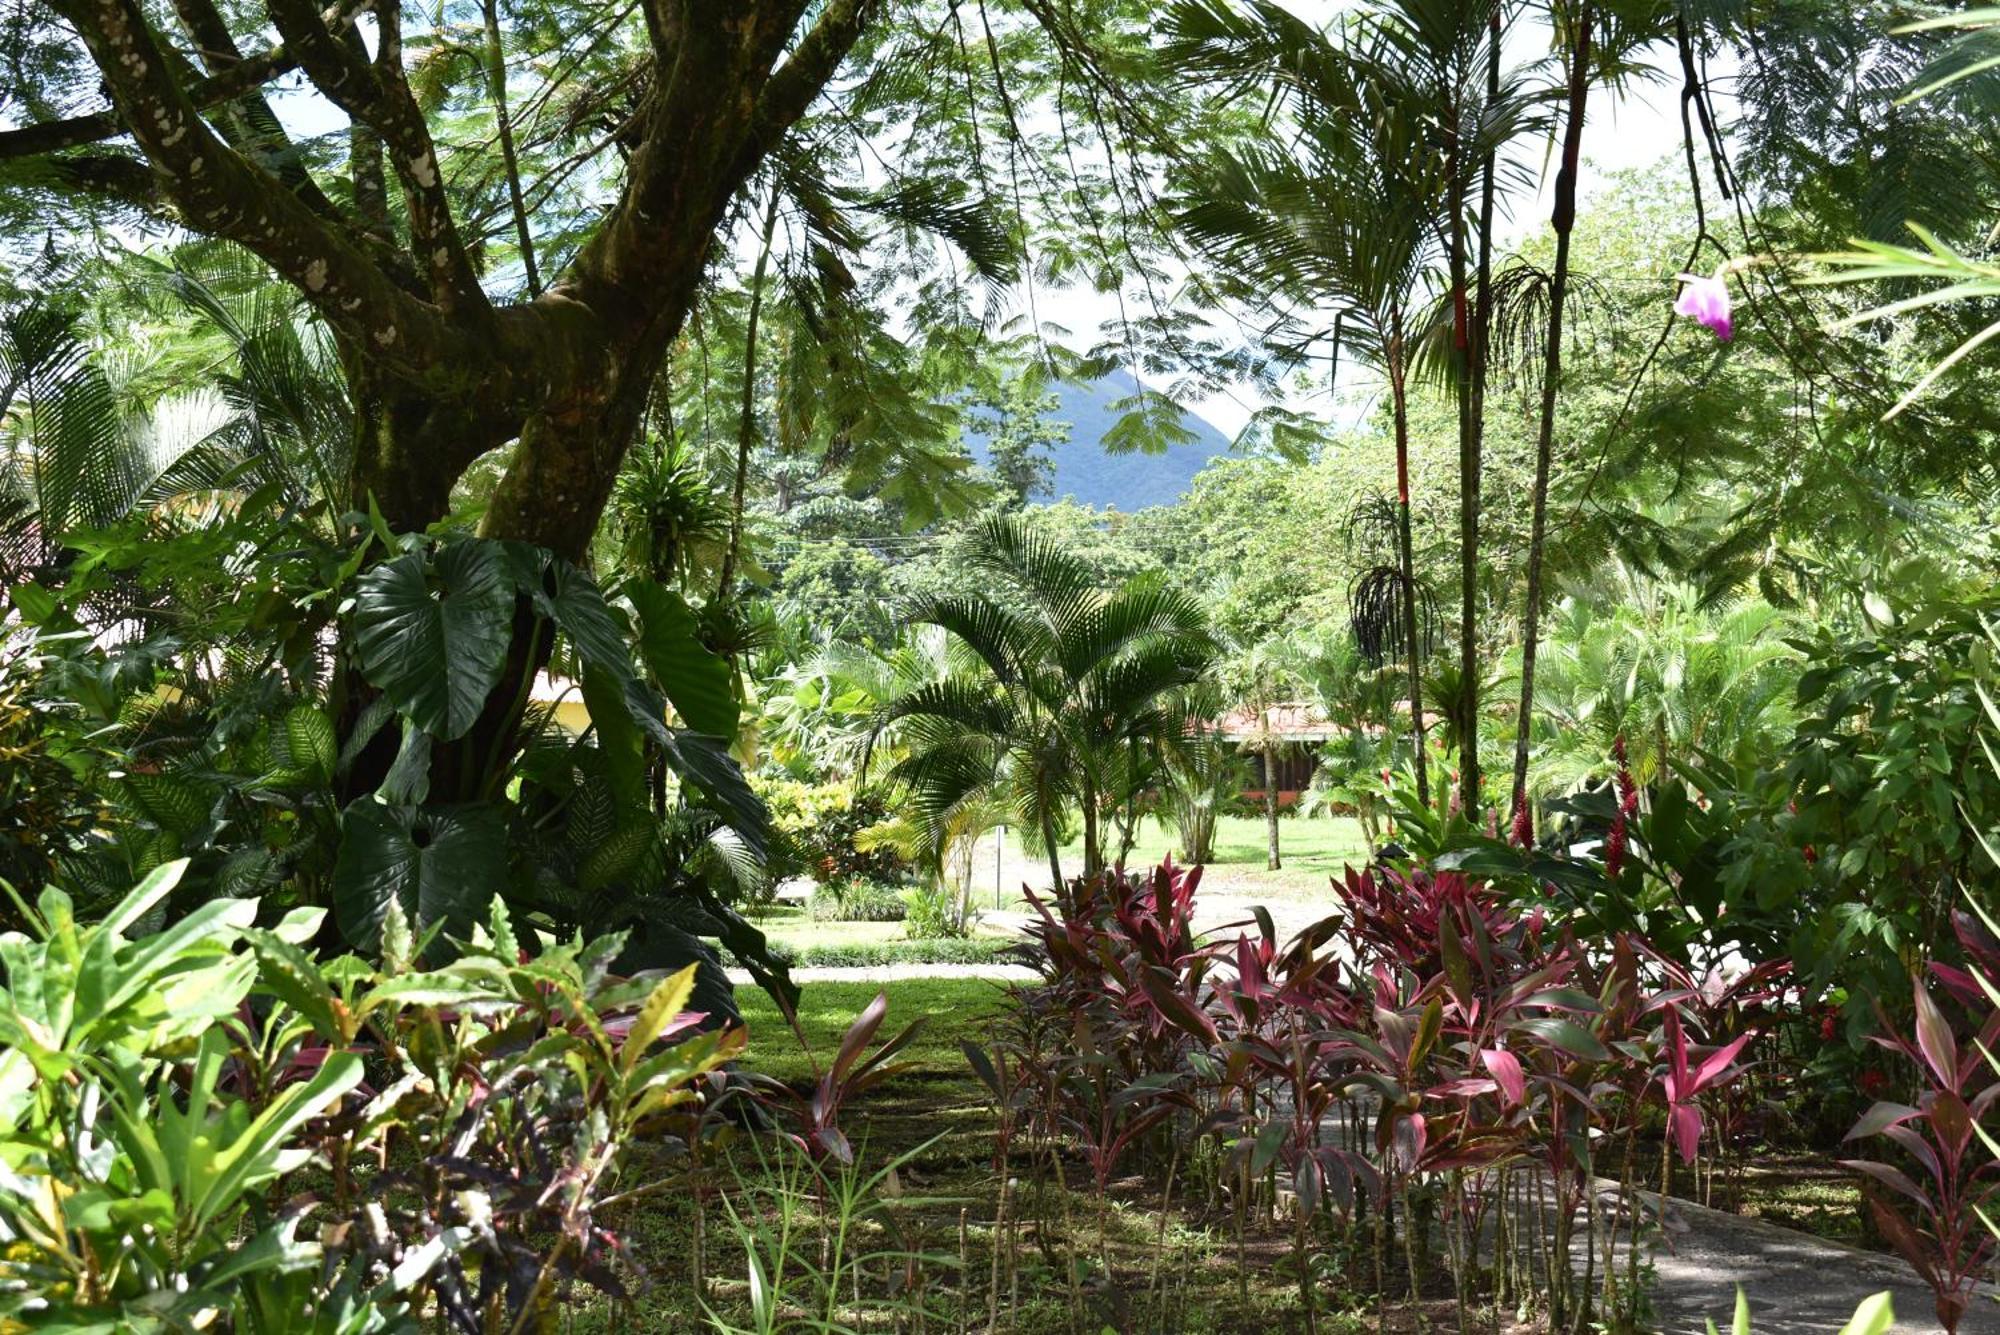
[[1262, 678], [1672, 676], [1343, 230], [1058, 680], [76, 453]]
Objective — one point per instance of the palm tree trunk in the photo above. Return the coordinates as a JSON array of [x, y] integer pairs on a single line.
[[1472, 449], [1272, 862], [746, 424], [1412, 646], [1056, 886], [1468, 475], [1563, 218]]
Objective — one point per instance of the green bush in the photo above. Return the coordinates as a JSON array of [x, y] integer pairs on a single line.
[[858, 902], [933, 912], [161, 1095], [885, 954], [816, 830]]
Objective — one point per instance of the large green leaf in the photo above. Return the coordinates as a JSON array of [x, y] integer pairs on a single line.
[[433, 635], [619, 736], [442, 864], [697, 681], [705, 762]]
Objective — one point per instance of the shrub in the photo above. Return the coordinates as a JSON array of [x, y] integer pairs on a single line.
[[883, 954], [933, 912], [858, 902], [161, 1095], [817, 828], [1476, 1037]]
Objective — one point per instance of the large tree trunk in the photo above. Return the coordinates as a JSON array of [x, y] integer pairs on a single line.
[[1563, 219]]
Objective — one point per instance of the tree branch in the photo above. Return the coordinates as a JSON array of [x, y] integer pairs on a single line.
[[253, 72], [377, 96], [222, 194], [793, 85], [248, 123]]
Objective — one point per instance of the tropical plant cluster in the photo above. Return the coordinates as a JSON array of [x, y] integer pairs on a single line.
[[1425, 1090]]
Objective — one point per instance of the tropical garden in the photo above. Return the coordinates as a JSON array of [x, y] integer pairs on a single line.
[[638, 693]]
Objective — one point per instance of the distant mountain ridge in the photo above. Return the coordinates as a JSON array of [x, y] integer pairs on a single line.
[[1085, 473]]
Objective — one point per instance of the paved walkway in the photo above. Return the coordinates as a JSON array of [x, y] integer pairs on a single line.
[[1797, 1284]]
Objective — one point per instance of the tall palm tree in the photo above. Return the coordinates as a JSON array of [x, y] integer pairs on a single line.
[[1058, 681], [1343, 226]]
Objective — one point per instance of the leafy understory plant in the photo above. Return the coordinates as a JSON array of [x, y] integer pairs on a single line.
[[160, 1094], [1949, 1245]]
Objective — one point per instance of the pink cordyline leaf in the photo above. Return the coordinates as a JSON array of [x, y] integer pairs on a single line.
[[1677, 1058], [1934, 1038], [1706, 301], [1505, 1068], [1717, 1063], [1686, 1121]]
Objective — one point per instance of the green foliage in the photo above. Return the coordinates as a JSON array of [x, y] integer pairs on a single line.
[[933, 912], [1067, 691], [151, 1119], [886, 954], [819, 831], [859, 901]]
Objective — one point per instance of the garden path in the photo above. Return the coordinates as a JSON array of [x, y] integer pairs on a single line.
[[1797, 1284]]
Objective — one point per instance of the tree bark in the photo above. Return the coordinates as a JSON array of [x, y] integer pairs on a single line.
[[1563, 218], [1272, 860]]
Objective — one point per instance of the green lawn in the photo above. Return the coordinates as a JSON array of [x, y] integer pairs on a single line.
[[1313, 849], [951, 1009]]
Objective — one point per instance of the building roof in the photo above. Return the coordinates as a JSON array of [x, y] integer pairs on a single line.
[[1292, 721]]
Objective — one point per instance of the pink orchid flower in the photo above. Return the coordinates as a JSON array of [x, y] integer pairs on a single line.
[[1706, 300]]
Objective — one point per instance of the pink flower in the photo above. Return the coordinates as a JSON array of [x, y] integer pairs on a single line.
[[1706, 300]]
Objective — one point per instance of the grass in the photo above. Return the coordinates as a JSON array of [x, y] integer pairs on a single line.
[[1314, 849], [951, 1008]]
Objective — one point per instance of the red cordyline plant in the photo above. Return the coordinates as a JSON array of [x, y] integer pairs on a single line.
[[1476, 1038], [1950, 1244], [1395, 916]]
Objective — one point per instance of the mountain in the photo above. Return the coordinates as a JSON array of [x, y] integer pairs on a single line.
[[1086, 473]]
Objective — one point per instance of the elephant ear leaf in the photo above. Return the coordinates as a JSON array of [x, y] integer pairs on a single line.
[[697, 681], [705, 763], [433, 636], [564, 593], [439, 864]]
